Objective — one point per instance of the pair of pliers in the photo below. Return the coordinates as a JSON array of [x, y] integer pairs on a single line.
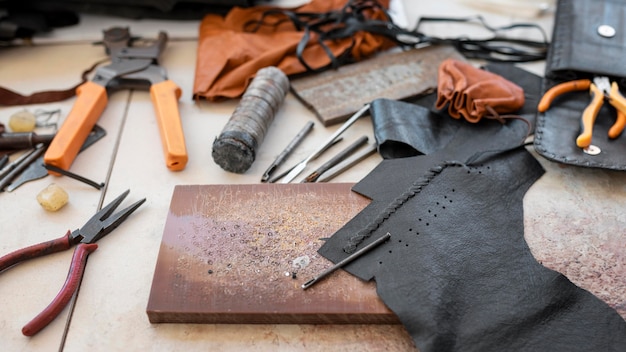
[[601, 90], [98, 226], [131, 67]]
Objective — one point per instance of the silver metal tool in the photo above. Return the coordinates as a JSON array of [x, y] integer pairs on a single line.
[[302, 165], [336, 159], [286, 172], [346, 261], [348, 163], [285, 153]]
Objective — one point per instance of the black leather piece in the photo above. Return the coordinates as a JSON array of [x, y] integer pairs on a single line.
[[577, 52], [423, 130], [460, 276], [558, 128], [457, 271], [577, 47]]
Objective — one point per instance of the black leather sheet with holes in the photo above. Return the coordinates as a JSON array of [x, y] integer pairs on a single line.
[[457, 270]]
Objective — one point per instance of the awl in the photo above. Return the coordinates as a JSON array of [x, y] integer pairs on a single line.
[[302, 165]]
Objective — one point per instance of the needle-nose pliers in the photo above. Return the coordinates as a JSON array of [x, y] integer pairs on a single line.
[[98, 226]]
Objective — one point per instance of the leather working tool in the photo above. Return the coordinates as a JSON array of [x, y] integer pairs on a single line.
[[98, 226], [601, 89], [302, 165], [342, 155], [130, 67]]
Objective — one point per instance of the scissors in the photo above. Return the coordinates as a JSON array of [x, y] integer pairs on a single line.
[[601, 90], [98, 226]]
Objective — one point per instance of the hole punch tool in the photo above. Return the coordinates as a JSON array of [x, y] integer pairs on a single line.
[[601, 89], [98, 226], [131, 67]]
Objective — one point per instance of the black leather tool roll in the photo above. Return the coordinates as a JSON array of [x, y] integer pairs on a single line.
[[589, 40]]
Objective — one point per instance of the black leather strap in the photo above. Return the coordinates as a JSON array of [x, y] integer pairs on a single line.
[[351, 19]]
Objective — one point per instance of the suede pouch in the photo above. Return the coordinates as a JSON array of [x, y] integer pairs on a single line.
[[429, 130], [583, 46], [472, 93]]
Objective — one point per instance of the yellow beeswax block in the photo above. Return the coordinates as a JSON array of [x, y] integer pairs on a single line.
[[22, 121], [53, 197]]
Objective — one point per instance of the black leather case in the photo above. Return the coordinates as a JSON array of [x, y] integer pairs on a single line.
[[581, 49]]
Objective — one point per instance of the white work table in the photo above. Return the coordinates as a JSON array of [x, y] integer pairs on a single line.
[[110, 310]]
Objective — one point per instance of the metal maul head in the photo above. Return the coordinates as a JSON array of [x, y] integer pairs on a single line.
[[116, 37], [120, 44]]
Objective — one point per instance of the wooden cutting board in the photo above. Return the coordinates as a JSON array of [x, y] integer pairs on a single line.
[[240, 253]]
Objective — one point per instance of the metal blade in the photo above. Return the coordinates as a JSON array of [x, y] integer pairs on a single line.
[[37, 170], [33, 172], [294, 172]]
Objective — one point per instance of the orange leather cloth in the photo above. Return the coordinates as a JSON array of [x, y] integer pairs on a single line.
[[228, 56], [471, 92]]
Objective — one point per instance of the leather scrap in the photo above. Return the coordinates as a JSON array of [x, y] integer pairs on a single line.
[[11, 98], [229, 55], [472, 93], [457, 270], [426, 132], [335, 95]]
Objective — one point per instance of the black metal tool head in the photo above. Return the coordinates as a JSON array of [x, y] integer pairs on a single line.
[[104, 221], [119, 44]]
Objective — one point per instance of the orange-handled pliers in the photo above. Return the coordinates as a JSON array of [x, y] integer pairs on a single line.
[[601, 89], [130, 67], [98, 226]]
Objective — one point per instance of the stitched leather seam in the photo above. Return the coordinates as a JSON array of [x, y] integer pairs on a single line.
[[411, 192]]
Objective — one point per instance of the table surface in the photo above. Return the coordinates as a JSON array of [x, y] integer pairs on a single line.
[[110, 310]]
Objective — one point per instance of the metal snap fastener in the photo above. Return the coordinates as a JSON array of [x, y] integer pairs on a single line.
[[592, 150], [606, 31]]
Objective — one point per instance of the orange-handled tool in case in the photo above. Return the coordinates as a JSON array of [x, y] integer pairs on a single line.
[[601, 89], [130, 67]]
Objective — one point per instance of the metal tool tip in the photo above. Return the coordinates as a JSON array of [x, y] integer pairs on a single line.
[[308, 283]]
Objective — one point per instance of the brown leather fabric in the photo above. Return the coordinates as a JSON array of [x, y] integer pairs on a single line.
[[471, 93], [228, 56], [12, 98]]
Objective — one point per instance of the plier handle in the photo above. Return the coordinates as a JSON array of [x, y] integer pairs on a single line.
[[98, 226], [131, 67], [601, 90]]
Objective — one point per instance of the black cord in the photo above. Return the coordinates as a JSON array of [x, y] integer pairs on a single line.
[[355, 17]]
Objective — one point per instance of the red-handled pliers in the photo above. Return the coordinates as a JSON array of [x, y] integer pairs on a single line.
[[100, 225]]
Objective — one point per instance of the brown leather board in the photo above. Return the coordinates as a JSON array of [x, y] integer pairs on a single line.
[[238, 254], [335, 95]]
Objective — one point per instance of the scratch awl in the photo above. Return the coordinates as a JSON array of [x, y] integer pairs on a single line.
[[285, 153], [342, 155], [346, 261], [348, 163]]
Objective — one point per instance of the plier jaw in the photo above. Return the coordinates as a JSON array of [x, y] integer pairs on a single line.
[[98, 226], [104, 221], [601, 89]]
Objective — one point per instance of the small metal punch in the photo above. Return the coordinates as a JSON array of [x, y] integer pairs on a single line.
[[346, 261]]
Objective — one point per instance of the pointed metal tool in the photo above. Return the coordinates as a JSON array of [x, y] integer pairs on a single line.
[[37, 170], [346, 261], [302, 165]]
